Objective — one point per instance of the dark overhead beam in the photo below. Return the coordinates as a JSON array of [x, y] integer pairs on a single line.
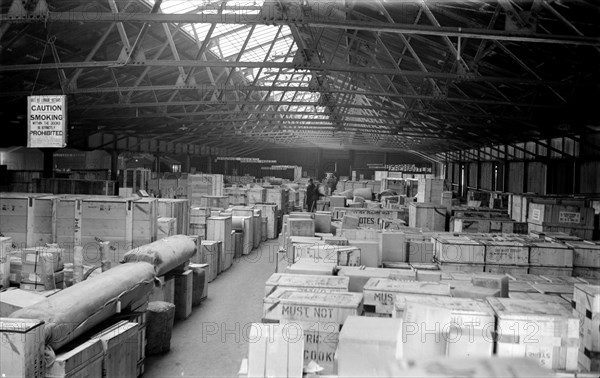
[[447, 31], [246, 88], [279, 65]]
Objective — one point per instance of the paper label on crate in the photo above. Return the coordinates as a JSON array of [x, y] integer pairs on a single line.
[[569, 217], [536, 214]]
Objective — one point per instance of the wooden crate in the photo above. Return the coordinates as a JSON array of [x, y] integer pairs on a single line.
[[554, 341], [506, 253], [244, 225], [120, 345], [78, 361], [279, 197], [22, 348], [184, 286], [579, 231], [257, 228], [87, 220], [200, 290], [166, 227], [210, 253], [219, 202], [275, 351], [6, 246], [430, 190], [269, 212], [473, 319], [294, 305], [219, 229], [586, 306], [458, 267], [431, 216], [366, 344], [506, 269], [301, 227], [178, 209], [26, 218], [560, 215], [485, 225], [199, 185], [305, 282], [256, 195], [550, 255], [458, 250], [585, 254], [379, 293]]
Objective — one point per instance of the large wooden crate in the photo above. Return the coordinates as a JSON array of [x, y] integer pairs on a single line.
[[506, 253], [279, 197], [210, 253], [256, 195], [75, 186], [585, 254], [219, 229], [586, 306], [78, 361], [121, 349], [550, 255], [431, 216], [26, 218], [244, 225], [458, 250], [472, 319], [86, 220], [178, 209], [304, 282], [199, 185], [573, 220], [166, 227], [380, 293], [6, 246], [430, 190], [269, 212], [481, 225], [22, 348], [546, 332], [294, 305]]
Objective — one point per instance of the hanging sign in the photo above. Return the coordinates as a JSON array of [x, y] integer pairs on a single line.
[[47, 121]]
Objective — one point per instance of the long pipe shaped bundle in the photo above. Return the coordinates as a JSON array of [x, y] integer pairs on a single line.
[[165, 254], [76, 309]]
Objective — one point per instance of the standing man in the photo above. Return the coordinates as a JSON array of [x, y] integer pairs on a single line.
[[311, 195]]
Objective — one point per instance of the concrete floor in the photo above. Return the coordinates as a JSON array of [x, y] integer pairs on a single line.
[[213, 341]]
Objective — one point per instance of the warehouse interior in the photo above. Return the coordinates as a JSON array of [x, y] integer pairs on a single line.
[[157, 218]]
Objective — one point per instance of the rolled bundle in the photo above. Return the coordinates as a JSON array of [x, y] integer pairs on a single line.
[[165, 254], [76, 309]]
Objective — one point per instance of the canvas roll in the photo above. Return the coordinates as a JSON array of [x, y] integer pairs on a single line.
[[165, 254], [76, 309]]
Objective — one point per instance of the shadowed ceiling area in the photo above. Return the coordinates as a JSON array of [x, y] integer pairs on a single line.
[[383, 75]]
